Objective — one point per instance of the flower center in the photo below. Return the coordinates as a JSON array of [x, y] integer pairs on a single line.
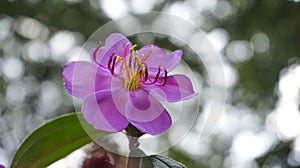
[[133, 68]]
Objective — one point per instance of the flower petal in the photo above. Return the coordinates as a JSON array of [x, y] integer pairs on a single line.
[[137, 105], [114, 43], [142, 107], [140, 99], [156, 126], [83, 78], [160, 58], [100, 111], [177, 87]]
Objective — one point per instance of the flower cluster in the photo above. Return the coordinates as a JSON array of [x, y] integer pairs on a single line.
[[123, 86]]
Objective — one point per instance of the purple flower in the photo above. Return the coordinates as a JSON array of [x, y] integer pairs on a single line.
[[122, 85], [1, 166]]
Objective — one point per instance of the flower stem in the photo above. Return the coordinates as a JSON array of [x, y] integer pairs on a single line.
[[134, 158], [133, 142], [132, 131]]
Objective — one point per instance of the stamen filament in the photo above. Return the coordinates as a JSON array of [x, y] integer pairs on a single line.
[[110, 60], [165, 77], [125, 64], [149, 53], [95, 52], [157, 75], [131, 55], [155, 78], [134, 69], [125, 50], [95, 55], [113, 66], [146, 73]]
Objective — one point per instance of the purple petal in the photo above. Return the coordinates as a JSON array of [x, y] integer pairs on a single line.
[[161, 58], [140, 99], [114, 42], [156, 126], [83, 78], [137, 105], [143, 108], [177, 87], [100, 111]]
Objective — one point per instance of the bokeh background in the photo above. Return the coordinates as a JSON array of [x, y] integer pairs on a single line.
[[258, 41]]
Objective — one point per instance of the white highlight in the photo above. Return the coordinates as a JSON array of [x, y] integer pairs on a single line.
[[142, 6], [36, 51], [114, 8], [13, 68], [239, 51], [260, 42], [247, 145], [219, 38], [61, 43], [29, 28], [287, 113], [222, 10]]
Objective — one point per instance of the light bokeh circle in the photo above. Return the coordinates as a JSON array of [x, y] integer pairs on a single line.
[[184, 113]]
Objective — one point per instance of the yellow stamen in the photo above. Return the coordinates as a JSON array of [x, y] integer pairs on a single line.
[[149, 53], [134, 68]]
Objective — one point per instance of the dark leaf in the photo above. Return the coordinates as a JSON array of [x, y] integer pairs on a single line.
[[163, 162], [138, 159]]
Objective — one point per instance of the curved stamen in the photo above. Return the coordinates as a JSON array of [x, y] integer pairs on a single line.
[[95, 52], [155, 78], [146, 72], [143, 74], [165, 79], [125, 50], [95, 55], [110, 60], [113, 66], [157, 75], [102, 66]]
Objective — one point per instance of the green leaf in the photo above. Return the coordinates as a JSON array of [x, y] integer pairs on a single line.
[[54, 140], [163, 162]]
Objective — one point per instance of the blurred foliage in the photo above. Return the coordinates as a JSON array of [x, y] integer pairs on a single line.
[[57, 14], [278, 19]]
